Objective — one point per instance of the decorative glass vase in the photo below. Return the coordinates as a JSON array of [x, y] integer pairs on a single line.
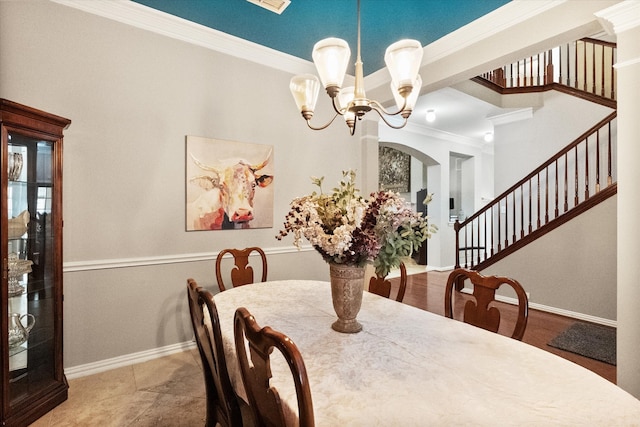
[[347, 286]]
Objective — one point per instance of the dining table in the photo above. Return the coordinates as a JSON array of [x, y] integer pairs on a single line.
[[411, 367]]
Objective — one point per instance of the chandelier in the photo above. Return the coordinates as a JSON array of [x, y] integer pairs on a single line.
[[331, 57]]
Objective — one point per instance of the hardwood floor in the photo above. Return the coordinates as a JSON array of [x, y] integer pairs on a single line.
[[426, 291]]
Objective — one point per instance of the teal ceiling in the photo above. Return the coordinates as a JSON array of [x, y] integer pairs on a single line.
[[304, 22]]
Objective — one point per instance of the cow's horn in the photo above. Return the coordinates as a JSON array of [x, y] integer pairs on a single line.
[[203, 166], [263, 164]]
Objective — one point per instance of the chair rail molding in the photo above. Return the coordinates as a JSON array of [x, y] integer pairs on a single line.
[[105, 264]]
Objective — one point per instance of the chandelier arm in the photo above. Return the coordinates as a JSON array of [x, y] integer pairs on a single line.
[[379, 108], [404, 123], [340, 111], [321, 127]]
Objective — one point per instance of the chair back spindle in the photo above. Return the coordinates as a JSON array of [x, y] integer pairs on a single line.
[[264, 399], [480, 311], [242, 273]]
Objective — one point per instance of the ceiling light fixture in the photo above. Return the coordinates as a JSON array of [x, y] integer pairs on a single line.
[[488, 137], [331, 57], [277, 6], [431, 116]]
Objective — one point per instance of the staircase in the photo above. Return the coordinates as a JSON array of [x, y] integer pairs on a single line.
[[575, 179]]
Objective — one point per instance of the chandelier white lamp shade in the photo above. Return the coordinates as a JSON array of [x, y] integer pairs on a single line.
[[403, 60], [406, 104], [305, 89], [331, 57], [345, 98]]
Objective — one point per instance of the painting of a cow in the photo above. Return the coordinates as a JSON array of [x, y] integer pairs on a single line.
[[228, 185]]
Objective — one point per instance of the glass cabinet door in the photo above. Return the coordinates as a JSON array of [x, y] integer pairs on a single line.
[[30, 254]]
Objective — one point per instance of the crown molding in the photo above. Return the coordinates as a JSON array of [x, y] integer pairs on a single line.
[[511, 116], [443, 135], [620, 17], [144, 17], [508, 16]]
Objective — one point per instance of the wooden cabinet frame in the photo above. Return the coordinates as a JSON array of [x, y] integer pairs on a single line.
[[34, 384]]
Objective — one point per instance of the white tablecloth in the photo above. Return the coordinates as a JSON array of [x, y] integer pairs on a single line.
[[409, 367]]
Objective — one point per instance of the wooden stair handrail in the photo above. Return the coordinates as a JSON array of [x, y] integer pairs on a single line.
[[517, 206], [545, 165]]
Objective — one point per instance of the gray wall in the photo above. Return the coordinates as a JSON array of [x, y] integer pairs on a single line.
[[573, 268], [133, 96]]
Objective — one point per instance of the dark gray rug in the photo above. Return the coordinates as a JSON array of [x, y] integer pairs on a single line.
[[590, 340]]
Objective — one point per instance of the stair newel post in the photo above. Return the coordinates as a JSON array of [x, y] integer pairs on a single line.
[[548, 77], [500, 78]]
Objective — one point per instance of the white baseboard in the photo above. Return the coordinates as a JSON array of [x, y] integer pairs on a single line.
[[126, 360], [574, 315]]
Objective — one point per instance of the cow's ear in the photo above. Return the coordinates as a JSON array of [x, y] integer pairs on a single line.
[[264, 180], [205, 181]]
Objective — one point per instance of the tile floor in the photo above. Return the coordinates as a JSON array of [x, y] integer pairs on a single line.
[[163, 392]]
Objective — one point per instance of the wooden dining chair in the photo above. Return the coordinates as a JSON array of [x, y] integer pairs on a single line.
[[481, 312], [222, 404], [264, 399], [242, 272], [382, 285]]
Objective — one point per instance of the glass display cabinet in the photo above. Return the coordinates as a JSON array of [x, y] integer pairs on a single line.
[[32, 375]]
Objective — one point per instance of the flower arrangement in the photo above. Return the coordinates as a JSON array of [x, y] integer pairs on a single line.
[[347, 229]]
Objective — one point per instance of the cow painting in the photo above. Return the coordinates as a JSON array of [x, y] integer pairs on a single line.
[[221, 195]]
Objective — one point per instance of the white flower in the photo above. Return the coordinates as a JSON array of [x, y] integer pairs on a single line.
[[345, 228]]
